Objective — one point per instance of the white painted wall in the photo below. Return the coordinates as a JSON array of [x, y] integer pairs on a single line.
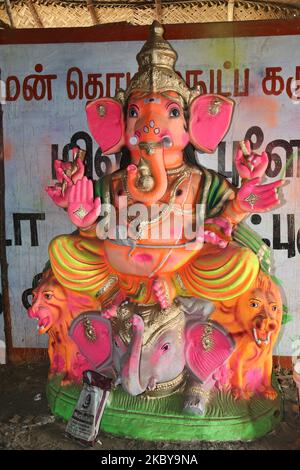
[[31, 127]]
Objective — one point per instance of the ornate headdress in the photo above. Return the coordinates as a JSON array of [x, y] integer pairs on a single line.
[[156, 72], [155, 319]]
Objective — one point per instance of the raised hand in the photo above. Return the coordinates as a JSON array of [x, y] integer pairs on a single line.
[[67, 174], [83, 210], [252, 197], [251, 165], [59, 193], [73, 170], [61, 168]]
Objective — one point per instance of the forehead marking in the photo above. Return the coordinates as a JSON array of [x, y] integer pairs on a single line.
[[152, 100]]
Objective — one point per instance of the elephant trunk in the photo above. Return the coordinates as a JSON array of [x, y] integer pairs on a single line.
[[131, 366], [157, 172]]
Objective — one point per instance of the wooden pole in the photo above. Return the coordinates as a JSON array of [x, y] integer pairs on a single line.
[[34, 13], [158, 8], [3, 258], [9, 13], [230, 10], [92, 11]]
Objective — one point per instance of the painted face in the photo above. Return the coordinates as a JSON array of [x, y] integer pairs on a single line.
[[47, 303], [156, 119], [164, 359], [260, 311]]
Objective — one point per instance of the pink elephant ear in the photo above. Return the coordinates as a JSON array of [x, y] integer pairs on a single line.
[[210, 117], [106, 123], [93, 336], [207, 346]]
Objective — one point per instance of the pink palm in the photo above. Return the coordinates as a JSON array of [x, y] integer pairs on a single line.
[[83, 209]]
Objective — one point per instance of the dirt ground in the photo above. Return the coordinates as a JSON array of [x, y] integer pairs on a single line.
[[26, 421]]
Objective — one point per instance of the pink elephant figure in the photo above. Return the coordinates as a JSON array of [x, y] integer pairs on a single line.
[[157, 355]]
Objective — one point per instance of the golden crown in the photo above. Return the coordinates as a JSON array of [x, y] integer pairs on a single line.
[[156, 72], [156, 320]]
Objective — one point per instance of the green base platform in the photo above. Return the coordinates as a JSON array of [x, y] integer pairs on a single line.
[[163, 419]]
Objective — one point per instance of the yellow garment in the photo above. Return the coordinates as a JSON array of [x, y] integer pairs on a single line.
[[77, 263], [215, 273], [219, 273]]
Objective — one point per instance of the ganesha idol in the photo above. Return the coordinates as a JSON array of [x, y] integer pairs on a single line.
[[162, 248]]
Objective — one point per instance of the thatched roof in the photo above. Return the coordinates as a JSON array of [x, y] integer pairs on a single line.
[[67, 13]]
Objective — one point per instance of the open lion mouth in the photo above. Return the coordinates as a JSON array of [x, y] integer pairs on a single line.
[[259, 341], [43, 324]]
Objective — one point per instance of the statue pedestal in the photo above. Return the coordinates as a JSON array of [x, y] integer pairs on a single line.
[[162, 419]]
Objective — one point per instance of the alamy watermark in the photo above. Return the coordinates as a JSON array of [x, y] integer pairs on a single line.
[[169, 223]]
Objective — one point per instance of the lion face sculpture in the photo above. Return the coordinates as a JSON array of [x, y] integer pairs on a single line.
[[48, 298], [259, 312], [254, 320], [54, 307]]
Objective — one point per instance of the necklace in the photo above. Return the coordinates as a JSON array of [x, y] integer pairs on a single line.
[[174, 171], [142, 224]]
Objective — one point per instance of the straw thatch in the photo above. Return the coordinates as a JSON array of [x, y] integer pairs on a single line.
[[63, 13]]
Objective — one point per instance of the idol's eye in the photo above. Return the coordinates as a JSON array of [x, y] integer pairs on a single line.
[[165, 347], [254, 304], [174, 113], [132, 112], [48, 296], [274, 308]]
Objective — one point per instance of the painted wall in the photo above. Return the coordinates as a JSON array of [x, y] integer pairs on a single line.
[[38, 125]]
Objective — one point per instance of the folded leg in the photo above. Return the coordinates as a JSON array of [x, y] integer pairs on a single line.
[[218, 273], [78, 264]]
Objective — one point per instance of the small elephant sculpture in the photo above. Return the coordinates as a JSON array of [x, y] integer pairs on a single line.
[[159, 352]]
